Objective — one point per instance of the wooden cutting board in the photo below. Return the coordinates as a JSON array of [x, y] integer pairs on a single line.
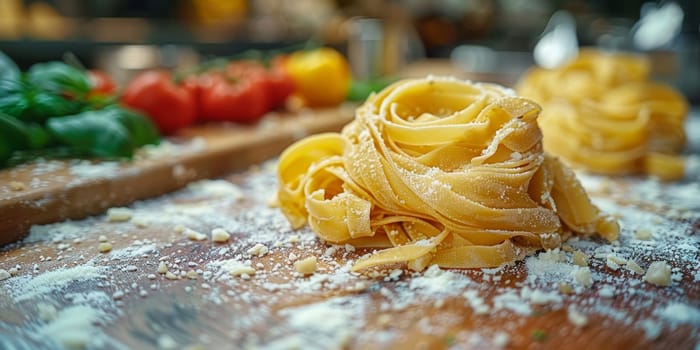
[[58, 190]]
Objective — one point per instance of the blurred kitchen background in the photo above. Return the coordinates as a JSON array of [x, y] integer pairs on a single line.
[[492, 40]]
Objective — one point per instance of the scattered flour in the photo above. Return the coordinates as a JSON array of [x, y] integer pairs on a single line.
[[330, 324], [54, 281], [75, 328]]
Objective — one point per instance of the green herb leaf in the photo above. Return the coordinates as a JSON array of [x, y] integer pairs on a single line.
[[14, 105], [25, 101], [12, 101], [13, 136], [38, 137], [539, 335], [142, 130], [43, 105], [361, 89], [8, 68], [94, 133], [59, 78]]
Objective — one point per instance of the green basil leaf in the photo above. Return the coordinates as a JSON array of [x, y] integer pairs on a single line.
[[43, 105], [13, 136], [59, 78], [38, 137], [8, 68], [12, 98], [23, 100], [94, 133], [15, 105], [142, 130]]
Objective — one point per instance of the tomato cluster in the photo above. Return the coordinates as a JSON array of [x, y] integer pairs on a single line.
[[242, 92]]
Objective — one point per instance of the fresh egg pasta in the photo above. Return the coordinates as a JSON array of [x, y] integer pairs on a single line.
[[601, 113], [437, 171]]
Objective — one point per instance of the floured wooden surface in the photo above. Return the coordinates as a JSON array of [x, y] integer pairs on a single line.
[[51, 191], [64, 292]]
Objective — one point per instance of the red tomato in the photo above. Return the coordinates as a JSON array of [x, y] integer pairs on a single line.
[[170, 106], [236, 94], [280, 84], [102, 84], [193, 85]]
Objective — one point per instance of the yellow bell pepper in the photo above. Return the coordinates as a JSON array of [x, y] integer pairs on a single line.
[[322, 76]]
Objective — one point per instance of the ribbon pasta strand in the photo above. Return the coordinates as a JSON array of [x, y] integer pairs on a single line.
[[437, 171]]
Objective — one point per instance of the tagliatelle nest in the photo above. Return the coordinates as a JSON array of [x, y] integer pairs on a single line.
[[438, 171], [602, 113]]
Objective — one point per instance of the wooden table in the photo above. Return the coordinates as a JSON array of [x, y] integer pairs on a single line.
[[65, 292]]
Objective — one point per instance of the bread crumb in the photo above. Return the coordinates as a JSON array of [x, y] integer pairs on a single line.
[[4, 274], [658, 273], [613, 261], [179, 228], [119, 214], [162, 268], [17, 186], [102, 238], [105, 247], [582, 276], [384, 320], [306, 266], [634, 267], [242, 270], [140, 222], [258, 250], [118, 295], [358, 287], [616, 259], [565, 288], [421, 263], [642, 234], [219, 235], [171, 276], [192, 274], [193, 235], [550, 240], [580, 258], [294, 239], [576, 318]]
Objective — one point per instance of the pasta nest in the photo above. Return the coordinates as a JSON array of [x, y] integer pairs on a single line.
[[603, 114], [437, 171]]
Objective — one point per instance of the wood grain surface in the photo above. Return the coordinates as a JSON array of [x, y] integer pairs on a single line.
[[276, 308]]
